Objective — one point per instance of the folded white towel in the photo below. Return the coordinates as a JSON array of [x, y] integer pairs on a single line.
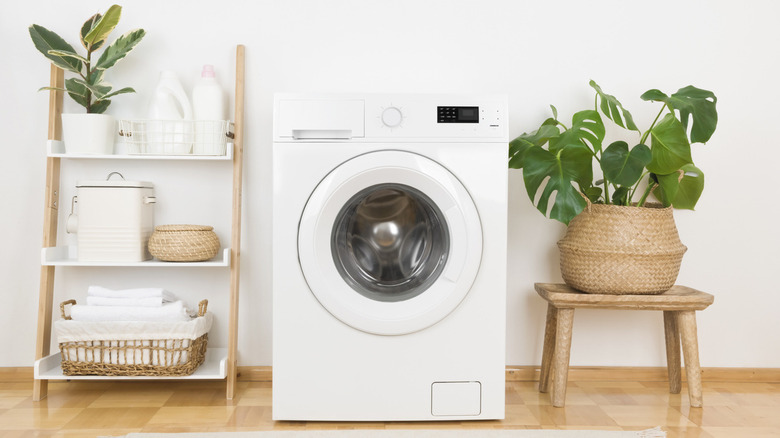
[[127, 302], [175, 311], [144, 292]]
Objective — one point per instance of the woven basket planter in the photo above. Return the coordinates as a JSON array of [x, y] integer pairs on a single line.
[[184, 243], [613, 249]]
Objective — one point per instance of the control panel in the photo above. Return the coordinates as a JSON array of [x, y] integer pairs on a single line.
[[458, 114], [377, 117]]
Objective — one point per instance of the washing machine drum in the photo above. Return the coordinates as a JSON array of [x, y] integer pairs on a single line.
[[390, 242]]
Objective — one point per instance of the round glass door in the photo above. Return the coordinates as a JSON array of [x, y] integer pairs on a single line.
[[390, 242]]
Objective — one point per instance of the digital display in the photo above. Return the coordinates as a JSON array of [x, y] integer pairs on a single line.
[[458, 114]]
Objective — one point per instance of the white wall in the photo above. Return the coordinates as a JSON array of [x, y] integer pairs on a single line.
[[536, 52]]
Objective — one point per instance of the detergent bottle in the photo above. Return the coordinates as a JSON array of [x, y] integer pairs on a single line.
[[208, 108], [169, 129]]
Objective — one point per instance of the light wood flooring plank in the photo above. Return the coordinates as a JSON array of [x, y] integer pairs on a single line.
[[80, 409]]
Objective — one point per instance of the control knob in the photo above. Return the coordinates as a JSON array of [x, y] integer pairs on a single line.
[[392, 117]]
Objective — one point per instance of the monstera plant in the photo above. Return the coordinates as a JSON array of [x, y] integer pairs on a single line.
[[558, 160], [88, 88]]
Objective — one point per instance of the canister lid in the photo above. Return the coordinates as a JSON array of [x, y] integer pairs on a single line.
[[109, 183], [120, 183]]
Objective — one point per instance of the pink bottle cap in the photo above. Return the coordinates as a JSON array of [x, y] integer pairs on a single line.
[[208, 71]]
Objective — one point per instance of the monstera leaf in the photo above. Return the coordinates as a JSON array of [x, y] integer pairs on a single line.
[[692, 103], [670, 148], [586, 128], [680, 189], [614, 111], [571, 164], [622, 166], [519, 146]]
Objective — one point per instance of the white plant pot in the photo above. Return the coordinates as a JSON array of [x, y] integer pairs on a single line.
[[88, 133]]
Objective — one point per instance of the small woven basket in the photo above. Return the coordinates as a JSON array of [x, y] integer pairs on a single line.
[[184, 243], [136, 357], [613, 249]]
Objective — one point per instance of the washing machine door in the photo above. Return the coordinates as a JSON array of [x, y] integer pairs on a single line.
[[390, 242]]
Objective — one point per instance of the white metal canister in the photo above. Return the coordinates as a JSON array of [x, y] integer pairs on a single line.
[[115, 220]]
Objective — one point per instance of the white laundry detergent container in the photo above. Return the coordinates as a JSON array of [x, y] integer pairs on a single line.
[[115, 219]]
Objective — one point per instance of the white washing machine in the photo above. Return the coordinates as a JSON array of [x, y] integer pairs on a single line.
[[389, 257]]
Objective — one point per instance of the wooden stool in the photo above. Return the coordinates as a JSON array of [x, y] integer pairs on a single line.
[[678, 304]]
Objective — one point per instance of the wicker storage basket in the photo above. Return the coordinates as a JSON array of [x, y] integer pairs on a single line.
[[184, 243], [617, 250], [116, 349]]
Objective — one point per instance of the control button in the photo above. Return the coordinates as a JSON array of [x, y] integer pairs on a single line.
[[392, 117]]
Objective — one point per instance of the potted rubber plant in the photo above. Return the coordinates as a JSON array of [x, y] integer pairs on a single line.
[[616, 241], [92, 132]]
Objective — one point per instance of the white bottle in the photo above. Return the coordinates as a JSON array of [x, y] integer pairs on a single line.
[[167, 132], [208, 104]]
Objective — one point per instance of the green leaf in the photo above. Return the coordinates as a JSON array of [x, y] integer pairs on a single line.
[[554, 111], [96, 76], [77, 91], [119, 48], [692, 103], [681, 193], [67, 54], [654, 96], [593, 193], [519, 146], [613, 109], [699, 105], [624, 167], [122, 91], [99, 91], [85, 28], [99, 107], [668, 186], [586, 129], [572, 163], [104, 26], [669, 146], [620, 197], [46, 40]]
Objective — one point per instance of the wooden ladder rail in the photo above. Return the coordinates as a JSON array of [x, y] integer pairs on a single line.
[[235, 244], [50, 217]]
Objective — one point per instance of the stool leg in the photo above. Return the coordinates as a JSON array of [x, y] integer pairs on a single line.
[[562, 349], [549, 346], [690, 346], [672, 334]]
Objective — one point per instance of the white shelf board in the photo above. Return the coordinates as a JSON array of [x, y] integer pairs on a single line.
[[66, 256], [214, 367], [56, 149]]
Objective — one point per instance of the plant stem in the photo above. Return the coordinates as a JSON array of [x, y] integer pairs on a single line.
[[606, 192], [650, 188], [636, 186], [644, 136], [88, 65]]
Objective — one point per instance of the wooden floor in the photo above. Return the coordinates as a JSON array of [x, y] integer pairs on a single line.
[[89, 409]]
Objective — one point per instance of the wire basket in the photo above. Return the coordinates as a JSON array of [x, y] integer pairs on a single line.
[[115, 348], [176, 137]]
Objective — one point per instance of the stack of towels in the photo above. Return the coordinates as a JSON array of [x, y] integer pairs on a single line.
[[144, 304]]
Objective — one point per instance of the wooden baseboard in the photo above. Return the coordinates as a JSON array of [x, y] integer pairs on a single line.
[[519, 374], [645, 374]]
